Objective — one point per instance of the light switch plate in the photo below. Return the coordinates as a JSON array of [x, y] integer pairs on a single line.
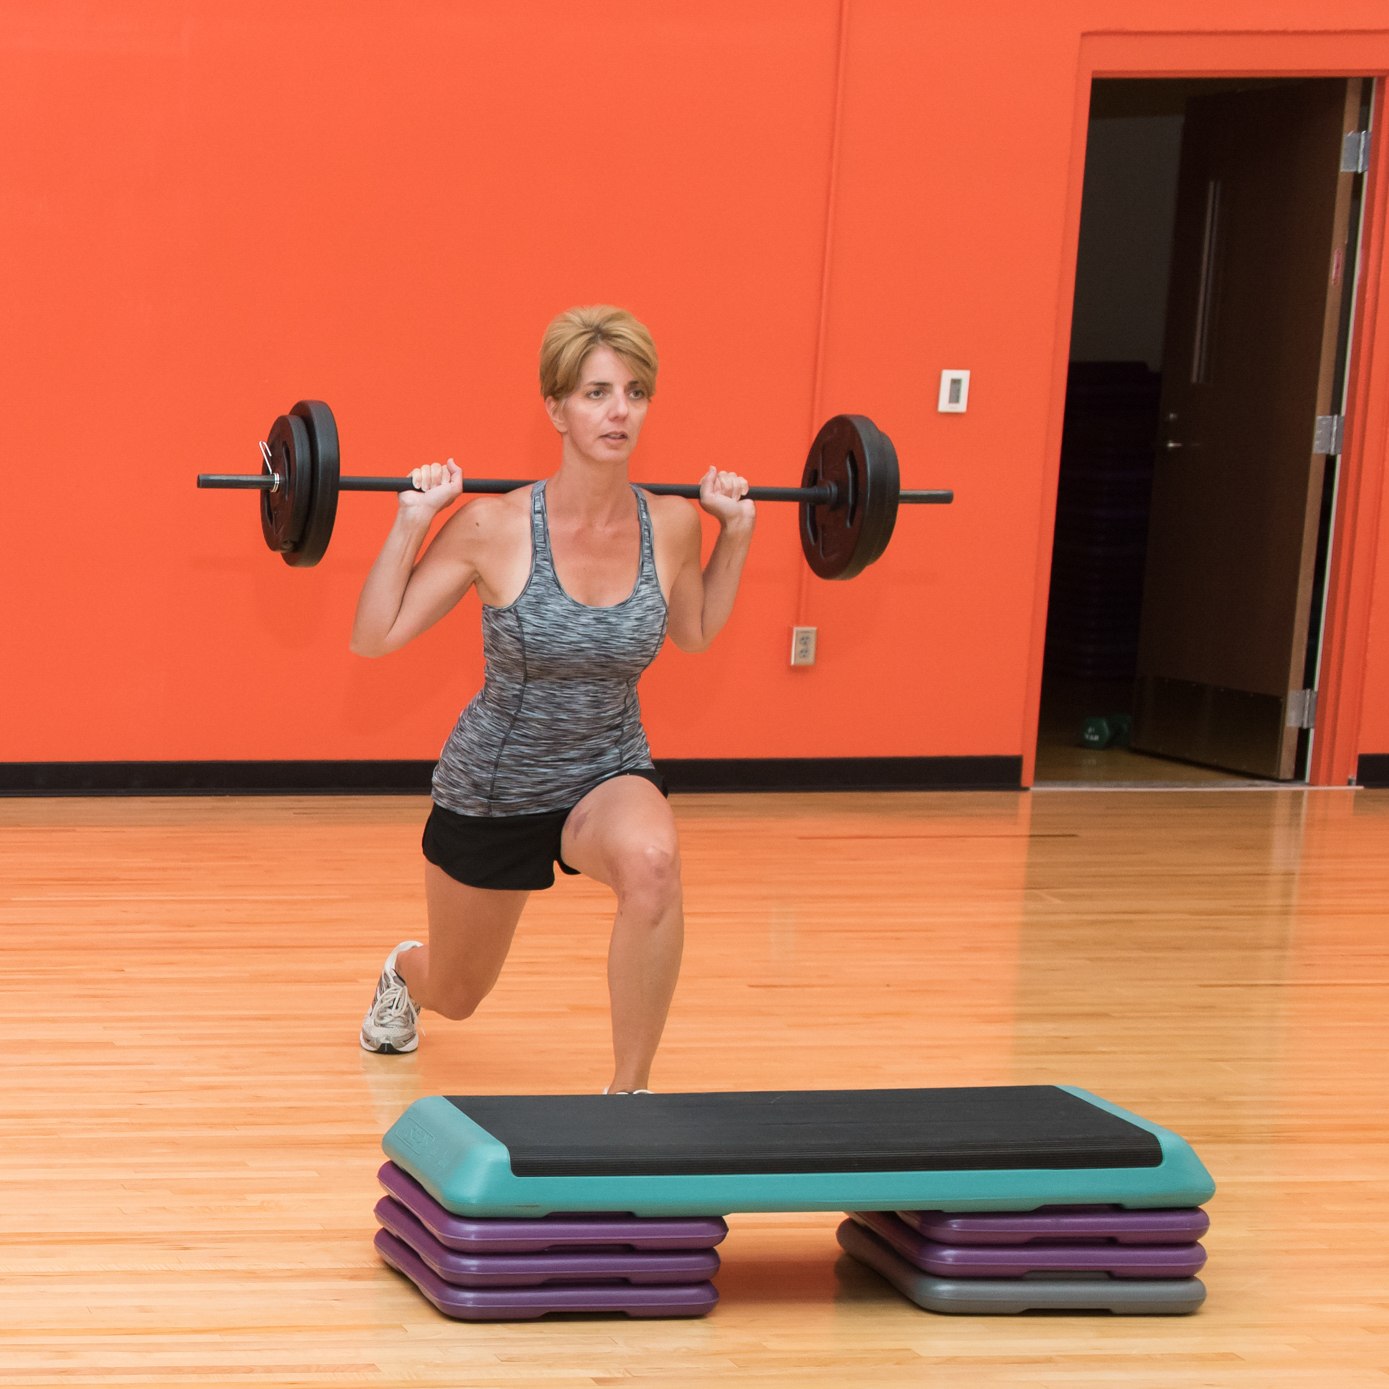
[[954, 392]]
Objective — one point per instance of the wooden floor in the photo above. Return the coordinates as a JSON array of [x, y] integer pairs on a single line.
[[190, 1133]]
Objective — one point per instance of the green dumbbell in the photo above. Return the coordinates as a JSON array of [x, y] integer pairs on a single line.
[[1106, 731]]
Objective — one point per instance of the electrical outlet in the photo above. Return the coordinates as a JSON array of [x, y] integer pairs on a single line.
[[803, 646]]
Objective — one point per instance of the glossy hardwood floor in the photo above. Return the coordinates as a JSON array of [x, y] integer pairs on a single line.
[[190, 1134]]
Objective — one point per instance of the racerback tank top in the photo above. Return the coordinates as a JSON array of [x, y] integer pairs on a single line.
[[557, 712]]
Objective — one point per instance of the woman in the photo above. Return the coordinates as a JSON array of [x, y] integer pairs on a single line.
[[581, 576]]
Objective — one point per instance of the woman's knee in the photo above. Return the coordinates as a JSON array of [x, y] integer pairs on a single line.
[[457, 999], [647, 875]]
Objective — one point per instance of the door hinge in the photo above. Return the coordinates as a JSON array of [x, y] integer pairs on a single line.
[[1355, 152], [1302, 708], [1329, 433]]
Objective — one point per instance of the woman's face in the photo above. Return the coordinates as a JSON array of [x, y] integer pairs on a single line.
[[602, 417]]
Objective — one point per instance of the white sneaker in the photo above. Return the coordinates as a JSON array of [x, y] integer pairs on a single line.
[[391, 1025]]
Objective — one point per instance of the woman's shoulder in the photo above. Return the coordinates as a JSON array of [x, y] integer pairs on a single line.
[[676, 534], [676, 514], [489, 519]]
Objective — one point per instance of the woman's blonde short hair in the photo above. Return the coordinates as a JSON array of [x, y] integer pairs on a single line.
[[576, 332]]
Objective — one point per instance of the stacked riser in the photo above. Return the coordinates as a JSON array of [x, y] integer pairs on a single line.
[[490, 1269], [1080, 1258]]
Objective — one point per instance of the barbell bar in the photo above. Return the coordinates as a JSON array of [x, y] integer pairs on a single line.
[[827, 494], [848, 498]]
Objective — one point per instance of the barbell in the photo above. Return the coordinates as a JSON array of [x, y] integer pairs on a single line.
[[849, 494]]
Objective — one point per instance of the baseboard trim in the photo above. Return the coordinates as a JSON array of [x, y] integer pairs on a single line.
[[214, 778], [1372, 770], [393, 778], [843, 774]]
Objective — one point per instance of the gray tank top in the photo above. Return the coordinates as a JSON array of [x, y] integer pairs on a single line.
[[558, 711]]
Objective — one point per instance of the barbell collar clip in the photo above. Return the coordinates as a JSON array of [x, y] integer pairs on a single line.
[[269, 466]]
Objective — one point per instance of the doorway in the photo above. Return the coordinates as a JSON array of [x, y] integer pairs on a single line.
[[1159, 560]]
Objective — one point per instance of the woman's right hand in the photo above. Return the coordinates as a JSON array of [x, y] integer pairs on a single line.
[[434, 487]]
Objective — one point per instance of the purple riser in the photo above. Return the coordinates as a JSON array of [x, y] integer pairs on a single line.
[[548, 1266], [526, 1304], [1000, 1261], [1075, 1292], [479, 1235], [1062, 1224]]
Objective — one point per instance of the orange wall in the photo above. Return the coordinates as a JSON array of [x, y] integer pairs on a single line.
[[208, 212], [1374, 724]]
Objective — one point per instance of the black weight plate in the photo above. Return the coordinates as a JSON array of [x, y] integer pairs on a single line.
[[284, 512], [851, 453], [323, 500]]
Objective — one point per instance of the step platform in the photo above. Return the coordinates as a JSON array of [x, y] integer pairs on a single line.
[[1071, 1292], [997, 1148]]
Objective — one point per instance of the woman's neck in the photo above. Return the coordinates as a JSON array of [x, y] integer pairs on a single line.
[[592, 493]]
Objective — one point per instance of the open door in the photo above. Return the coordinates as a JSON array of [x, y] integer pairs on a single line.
[[1250, 358]]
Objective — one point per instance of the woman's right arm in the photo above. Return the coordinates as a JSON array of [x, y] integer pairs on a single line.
[[405, 594]]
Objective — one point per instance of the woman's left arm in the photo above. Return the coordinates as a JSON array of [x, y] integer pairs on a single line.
[[702, 599]]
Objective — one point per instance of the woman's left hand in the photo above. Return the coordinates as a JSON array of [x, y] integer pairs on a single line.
[[724, 496]]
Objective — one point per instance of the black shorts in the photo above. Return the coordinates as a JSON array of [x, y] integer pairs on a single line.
[[511, 853]]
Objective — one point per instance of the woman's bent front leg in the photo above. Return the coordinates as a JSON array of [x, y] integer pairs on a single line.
[[623, 834]]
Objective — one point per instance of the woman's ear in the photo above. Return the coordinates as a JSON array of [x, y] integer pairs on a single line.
[[553, 406]]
